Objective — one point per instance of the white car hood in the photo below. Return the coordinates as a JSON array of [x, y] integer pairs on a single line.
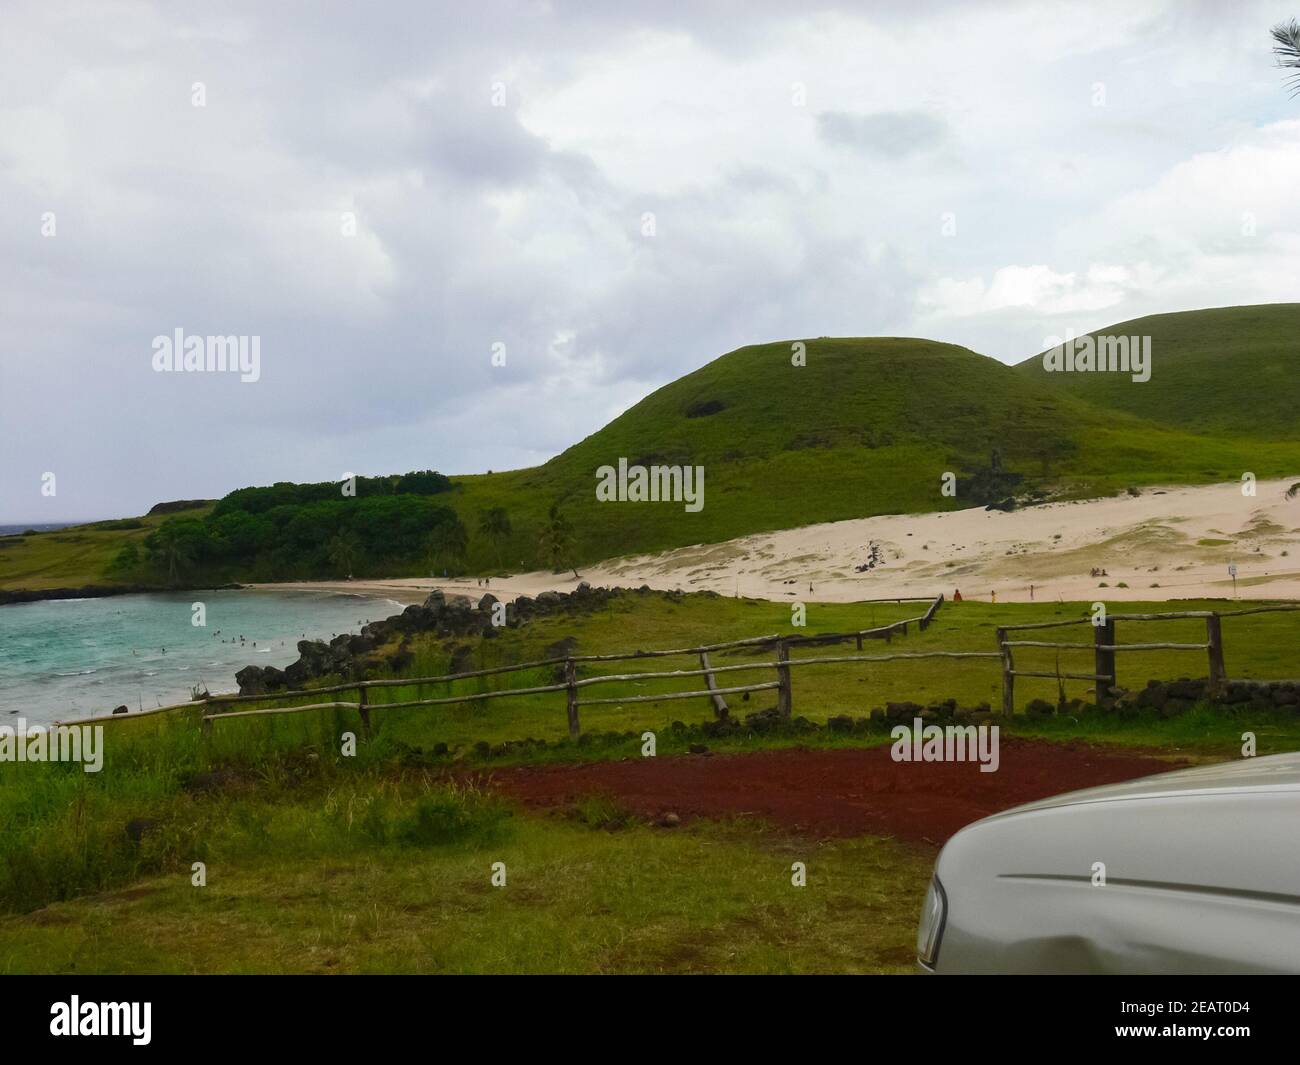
[[1278, 772]]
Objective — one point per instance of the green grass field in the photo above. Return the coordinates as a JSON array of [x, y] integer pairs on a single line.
[[324, 863], [319, 862], [1257, 646], [73, 557], [314, 884]]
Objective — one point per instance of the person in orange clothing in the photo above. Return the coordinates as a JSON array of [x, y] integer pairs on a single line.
[[956, 596]]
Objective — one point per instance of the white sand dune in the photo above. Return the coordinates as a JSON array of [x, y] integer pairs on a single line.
[[1166, 543]]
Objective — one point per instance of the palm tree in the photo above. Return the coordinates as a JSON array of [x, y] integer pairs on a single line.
[[447, 544], [173, 551], [1286, 46], [556, 540], [494, 524], [344, 548]]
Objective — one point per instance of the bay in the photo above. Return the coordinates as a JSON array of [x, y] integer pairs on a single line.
[[68, 658]]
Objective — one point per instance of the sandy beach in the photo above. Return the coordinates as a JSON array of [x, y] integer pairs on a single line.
[[1164, 544]]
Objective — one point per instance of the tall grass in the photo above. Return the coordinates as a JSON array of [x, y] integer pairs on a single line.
[[162, 801], [283, 782]]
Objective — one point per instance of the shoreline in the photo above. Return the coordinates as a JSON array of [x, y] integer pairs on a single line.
[[65, 659], [102, 591], [1163, 545]]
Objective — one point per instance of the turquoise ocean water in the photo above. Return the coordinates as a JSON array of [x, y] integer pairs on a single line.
[[73, 657]]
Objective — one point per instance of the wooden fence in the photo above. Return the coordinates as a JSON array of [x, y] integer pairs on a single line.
[[1105, 648], [574, 687], [1103, 645]]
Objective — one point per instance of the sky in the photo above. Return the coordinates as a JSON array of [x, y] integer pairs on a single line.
[[465, 236]]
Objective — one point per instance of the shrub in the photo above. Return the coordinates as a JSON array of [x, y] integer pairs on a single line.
[[602, 811], [452, 815]]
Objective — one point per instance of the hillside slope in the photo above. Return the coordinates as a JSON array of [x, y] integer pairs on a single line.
[[868, 426], [76, 556], [1227, 370]]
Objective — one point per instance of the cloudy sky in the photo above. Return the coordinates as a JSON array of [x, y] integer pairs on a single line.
[[616, 193]]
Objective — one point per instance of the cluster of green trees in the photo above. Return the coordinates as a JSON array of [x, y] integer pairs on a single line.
[[286, 493], [389, 527], [339, 536]]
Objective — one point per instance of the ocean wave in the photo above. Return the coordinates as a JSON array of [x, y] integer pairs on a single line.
[[77, 673]]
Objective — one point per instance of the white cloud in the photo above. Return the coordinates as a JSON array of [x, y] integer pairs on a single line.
[[522, 224], [1038, 289]]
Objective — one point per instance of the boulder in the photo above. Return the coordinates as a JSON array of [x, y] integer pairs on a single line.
[[1184, 688], [904, 711], [257, 680], [768, 720], [1039, 708]]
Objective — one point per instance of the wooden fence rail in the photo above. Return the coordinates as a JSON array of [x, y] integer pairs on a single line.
[[1104, 647], [571, 684]]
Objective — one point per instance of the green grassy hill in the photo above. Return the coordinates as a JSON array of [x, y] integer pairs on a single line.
[[868, 426], [1227, 370], [77, 556]]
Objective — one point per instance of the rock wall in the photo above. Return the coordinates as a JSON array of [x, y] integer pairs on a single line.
[[354, 656]]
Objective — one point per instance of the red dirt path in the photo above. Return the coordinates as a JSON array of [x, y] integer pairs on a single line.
[[841, 792]]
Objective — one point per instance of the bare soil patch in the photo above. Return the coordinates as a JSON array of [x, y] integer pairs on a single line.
[[832, 793]]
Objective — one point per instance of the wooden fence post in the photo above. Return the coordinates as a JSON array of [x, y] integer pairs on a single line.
[[784, 701], [364, 710], [1214, 637], [711, 682], [929, 614], [1008, 675], [205, 726], [1103, 635], [571, 695]]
